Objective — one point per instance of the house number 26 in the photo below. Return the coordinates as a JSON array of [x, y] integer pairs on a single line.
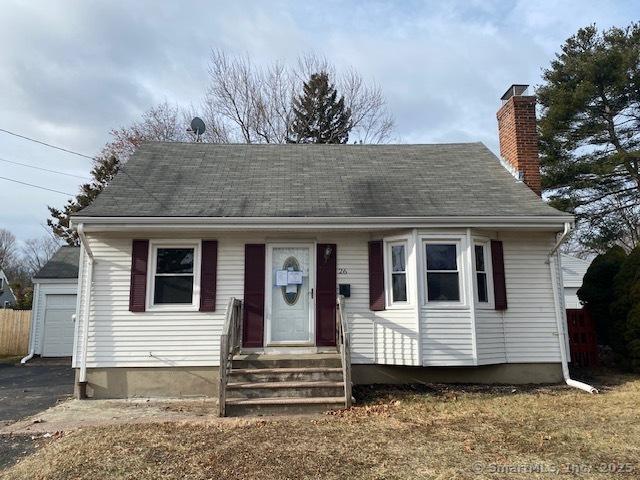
[[342, 271]]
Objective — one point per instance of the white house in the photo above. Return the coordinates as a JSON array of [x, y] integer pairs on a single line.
[[215, 269], [55, 289], [573, 270]]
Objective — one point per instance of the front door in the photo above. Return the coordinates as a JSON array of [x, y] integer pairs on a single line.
[[289, 300]]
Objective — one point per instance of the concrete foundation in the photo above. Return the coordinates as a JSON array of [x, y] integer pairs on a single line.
[[176, 382], [509, 373], [170, 382]]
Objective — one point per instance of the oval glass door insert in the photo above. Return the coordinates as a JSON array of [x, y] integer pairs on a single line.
[[291, 298]]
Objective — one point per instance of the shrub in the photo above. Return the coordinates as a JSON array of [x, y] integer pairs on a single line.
[[625, 311], [598, 291]]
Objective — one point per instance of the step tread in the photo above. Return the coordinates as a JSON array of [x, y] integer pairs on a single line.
[[284, 401], [252, 371], [287, 356], [293, 384]]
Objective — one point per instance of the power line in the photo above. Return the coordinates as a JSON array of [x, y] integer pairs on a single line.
[[36, 186], [120, 168], [43, 169], [46, 144]]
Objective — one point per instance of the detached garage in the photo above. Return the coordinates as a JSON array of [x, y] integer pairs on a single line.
[[55, 289]]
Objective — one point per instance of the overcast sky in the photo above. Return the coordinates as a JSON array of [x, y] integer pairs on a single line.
[[72, 70]]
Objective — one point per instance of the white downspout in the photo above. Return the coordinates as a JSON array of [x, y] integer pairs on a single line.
[[32, 348], [561, 314], [87, 303]]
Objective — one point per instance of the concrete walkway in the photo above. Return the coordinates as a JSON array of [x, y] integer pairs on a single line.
[[73, 414]]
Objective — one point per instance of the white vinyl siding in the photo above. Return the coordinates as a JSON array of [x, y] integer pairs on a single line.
[[490, 336], [529, 321], [447, 337], [571, 299], [118, 337], [410, 336]]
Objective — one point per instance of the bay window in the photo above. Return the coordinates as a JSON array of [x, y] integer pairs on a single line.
[[396, 272], [443, 275], [482, 272]]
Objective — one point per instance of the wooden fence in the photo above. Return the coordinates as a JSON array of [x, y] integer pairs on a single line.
[[582, 338], [14, 332]]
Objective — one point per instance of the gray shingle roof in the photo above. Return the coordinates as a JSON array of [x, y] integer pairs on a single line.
[[63, 264], [210, 180]]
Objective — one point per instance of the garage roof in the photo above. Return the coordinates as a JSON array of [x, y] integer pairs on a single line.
[[63, 264]]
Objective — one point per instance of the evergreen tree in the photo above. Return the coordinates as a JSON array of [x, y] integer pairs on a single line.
[[104, 170], [597, 292], [590, 134], [318, 115], [625, 312]]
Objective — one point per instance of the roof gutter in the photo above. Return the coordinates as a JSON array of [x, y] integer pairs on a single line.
[[308, 223], [561, 313], [82, 380]]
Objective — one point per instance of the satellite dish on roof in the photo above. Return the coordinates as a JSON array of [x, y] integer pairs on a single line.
[[197, 127]]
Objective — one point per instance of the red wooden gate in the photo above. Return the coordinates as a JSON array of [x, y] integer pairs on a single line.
[[582, 338]]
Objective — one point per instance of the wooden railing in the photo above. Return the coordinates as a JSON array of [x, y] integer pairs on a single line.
[[344, 347], [229, 346]]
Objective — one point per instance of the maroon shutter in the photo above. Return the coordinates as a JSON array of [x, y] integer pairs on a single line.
[[208, 274], [254, 280], [138, 286], [326, 295], [499, 284], [376, 276]]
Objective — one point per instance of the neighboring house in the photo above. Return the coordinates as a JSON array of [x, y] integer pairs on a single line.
[[573, 270], [55, 289], [449, 264], [7, 297]]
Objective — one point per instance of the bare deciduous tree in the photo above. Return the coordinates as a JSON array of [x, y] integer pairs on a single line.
[[8, 249], [255, 103], [163, 123], [38, 251]]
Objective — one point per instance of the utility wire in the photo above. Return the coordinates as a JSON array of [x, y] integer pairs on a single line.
[[43, 169], [46, 144], [121, 166], [36, 186]]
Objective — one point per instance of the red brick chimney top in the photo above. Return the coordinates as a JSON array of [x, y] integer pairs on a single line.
[[518, 135]]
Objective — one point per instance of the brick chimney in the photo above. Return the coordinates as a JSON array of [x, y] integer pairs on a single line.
[[518, 135]]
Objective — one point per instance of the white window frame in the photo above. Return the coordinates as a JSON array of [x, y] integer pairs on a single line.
[[459, 242], [485, 243], [154, 245], [388, 274]]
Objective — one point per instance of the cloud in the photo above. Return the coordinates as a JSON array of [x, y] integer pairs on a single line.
[[72, 70]]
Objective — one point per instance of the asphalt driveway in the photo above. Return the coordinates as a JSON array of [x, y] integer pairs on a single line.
[[25, 391]]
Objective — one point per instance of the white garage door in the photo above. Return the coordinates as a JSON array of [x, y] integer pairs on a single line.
[[58, 325]]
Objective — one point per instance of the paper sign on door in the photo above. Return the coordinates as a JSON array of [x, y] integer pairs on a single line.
[[281, 278], [294, 278]]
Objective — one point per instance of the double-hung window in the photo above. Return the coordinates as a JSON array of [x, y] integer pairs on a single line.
[[396, 276], [398, 272], [443, 271], [482, 265], [173, 275]]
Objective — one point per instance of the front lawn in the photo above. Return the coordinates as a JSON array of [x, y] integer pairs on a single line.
[[439, 432]]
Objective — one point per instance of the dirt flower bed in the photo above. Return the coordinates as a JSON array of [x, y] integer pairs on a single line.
[[424, 432]]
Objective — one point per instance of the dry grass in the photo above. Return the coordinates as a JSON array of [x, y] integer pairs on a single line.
[[396, 434]]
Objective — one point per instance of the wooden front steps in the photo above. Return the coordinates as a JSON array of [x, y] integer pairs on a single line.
[[284, 384]]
